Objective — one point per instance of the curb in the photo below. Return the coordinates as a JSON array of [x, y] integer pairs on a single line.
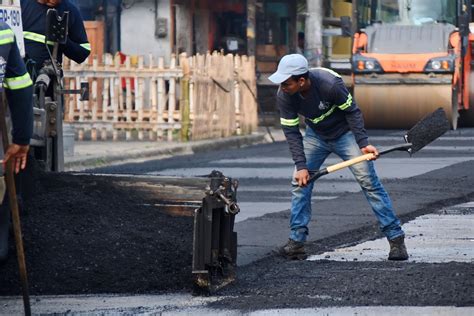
[[160, 153]]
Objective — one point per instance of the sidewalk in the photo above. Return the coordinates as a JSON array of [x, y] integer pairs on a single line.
[[89, 154]]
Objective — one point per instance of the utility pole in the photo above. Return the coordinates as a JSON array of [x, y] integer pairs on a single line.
[[251, 27], [314, 32]]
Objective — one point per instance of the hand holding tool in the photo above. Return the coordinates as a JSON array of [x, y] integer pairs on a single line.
[[424, 132]]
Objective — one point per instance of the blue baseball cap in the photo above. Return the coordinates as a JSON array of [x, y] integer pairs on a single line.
[[290, 65]]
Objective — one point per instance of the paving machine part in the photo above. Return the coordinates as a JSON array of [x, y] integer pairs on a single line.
[[410, 57], [47, 140], [212, 203], [48, 108], [215, 242], [423, 133]]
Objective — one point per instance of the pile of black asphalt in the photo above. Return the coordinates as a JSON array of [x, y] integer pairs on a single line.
[[86, 235]]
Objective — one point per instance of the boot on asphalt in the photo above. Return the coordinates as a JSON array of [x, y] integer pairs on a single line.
[[293, 250], [398, 250]]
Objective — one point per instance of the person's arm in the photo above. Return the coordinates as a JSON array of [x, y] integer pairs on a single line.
[[77, 46], [345, 102], [290, 122], [354, 117], [19, 92]]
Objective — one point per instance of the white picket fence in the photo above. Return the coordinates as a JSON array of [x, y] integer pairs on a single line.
[[198, 97]]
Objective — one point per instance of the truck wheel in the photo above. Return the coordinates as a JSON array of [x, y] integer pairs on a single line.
[[467, 117]]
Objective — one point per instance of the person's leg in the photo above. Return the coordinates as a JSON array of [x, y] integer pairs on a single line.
[[364, 172], [316, 151]]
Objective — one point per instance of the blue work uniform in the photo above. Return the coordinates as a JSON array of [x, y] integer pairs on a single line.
[[33, 15], [16, 83], [329, 110], [334, 125]]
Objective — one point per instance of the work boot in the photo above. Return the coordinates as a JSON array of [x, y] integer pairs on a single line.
[[293, 250], [398, 251]]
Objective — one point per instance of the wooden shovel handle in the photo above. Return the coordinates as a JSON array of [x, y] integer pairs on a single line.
[[349, 162]]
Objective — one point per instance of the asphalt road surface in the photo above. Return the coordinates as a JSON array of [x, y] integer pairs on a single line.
[[347, 272], [264, 173]]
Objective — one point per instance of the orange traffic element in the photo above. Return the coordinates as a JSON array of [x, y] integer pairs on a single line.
[[405, 63]]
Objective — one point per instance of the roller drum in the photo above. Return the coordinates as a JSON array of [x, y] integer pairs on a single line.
[[467, 116], [395, 106]]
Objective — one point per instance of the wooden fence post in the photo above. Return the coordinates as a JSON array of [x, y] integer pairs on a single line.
[[117, 97], [108, 90], [171, 100], [161, 100], [153, 100], [237, 98], [128, 100], [93, 101], [139, 96], [216, 97], [83, 104], [184, 102]]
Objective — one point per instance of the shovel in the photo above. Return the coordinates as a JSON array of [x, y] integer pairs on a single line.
[[424, 132]]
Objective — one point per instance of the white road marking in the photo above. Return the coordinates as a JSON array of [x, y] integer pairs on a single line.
[[102, 304], [186, 304], [387, 168], [371, 311], [257, 209], [433, 238]]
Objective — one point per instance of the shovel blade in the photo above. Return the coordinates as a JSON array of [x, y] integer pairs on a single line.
[[427, 130]]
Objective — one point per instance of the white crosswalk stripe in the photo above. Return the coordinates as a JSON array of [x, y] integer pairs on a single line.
[[433, 238]]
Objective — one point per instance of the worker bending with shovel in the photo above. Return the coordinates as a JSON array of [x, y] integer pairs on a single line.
[[334, 125]]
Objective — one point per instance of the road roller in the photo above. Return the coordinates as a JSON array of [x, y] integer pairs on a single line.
[[410, 57]]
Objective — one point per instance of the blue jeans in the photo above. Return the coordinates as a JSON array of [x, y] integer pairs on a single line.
[[316, 151]]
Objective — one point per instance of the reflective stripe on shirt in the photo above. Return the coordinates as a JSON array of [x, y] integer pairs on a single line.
[[344, 106], [322, 117], [35, 37], [332, 72], [86, 46], [290, 122], [7, 37], [20, 82], [347, 104]]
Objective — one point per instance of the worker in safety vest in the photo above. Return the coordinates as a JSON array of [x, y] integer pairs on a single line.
[[33, 15], [15, 82], [334, 124]]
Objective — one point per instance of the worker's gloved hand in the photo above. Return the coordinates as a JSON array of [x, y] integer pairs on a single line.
[[369, 149], [302, 177], [19, 154]]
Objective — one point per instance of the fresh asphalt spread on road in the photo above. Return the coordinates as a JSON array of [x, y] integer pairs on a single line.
[[439, 176], [432, 183], [264, 173]]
